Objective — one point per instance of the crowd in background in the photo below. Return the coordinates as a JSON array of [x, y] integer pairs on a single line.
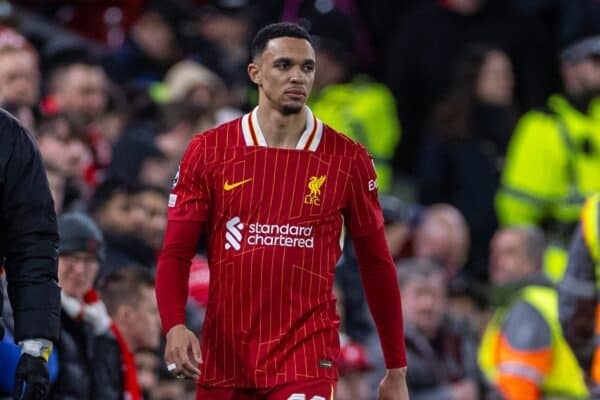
[[456, 100]]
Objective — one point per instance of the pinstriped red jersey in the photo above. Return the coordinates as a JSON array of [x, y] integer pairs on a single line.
[[274, 219]]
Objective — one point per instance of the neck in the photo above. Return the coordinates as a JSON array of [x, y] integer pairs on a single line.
[[282, 131]]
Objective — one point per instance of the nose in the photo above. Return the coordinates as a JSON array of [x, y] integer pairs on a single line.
[[297, 75]]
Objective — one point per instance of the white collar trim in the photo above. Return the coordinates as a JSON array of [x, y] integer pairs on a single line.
[[309, 140]]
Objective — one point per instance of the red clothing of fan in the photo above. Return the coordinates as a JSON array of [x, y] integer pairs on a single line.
[[274, 220]]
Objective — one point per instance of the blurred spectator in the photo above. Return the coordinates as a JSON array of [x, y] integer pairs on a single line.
[[441, 352], [152, 200], [139, 160], [437, 233], [579, 310], [353, 363], [19, 77], [149, 50], [554, 158], [67, 157], [361, 108], [81, 250], [179, 123], [515, 253], [121, 224], [442, 236], [65, 152], [398, 219], [116, 116], [523, 352], [79, 90], [463, 154], [220, 41], [429, 39], [202, 90], [131, 303], [147, 363], [169, 388]]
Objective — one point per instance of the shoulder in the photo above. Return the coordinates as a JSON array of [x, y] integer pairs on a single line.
[[525, 328], [225, 135], [11, 131], [537, 128], [106, 350], [341, 145], [535, 119], [106, 345]]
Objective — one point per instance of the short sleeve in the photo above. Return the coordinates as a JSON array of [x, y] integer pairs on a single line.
[[362, 211], [189, 197]]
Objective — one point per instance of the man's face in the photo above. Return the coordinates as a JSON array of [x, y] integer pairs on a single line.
[[495, 82], [145, 327], [118, 216], [146, 365], [443, 240], [424, 303], [68, 155], [508, 257], [154, 206], [19, 78], [156, 172], [285, 73], [589, 73], [83, 91], [582, 79], [76, 273]]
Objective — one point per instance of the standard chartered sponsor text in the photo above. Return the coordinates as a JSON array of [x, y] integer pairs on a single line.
[[285, 235]]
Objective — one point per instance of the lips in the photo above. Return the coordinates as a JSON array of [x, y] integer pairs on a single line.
[[296, 92]]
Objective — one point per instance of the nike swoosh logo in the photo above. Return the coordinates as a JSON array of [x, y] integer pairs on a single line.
[[230, 186]]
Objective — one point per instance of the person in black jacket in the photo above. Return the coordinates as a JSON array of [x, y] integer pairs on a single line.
[[441, 349], [28, 252], [129, 296], [83, 314]]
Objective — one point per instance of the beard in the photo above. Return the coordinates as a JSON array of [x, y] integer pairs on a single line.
[[289, 109]]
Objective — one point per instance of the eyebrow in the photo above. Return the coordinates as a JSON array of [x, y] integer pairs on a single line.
[[291, 61]]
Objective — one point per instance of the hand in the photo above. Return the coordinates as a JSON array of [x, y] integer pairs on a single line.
[[465, 389], [183, 350], [393, 385], [31, 375]]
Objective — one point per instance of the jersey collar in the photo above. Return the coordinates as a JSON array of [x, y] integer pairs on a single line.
[[309, 140]]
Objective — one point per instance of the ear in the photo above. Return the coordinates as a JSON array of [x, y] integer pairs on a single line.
[[254, 73]]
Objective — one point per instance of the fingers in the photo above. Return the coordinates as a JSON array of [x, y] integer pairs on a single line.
[[196, 352], [184, 364], [180, 351]]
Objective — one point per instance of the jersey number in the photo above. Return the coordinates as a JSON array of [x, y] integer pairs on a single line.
[[302, 396]]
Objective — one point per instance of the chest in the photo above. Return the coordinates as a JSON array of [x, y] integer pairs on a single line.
[[279, 185]]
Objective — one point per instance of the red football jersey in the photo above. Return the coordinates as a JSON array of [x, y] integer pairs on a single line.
[[274, 219]]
